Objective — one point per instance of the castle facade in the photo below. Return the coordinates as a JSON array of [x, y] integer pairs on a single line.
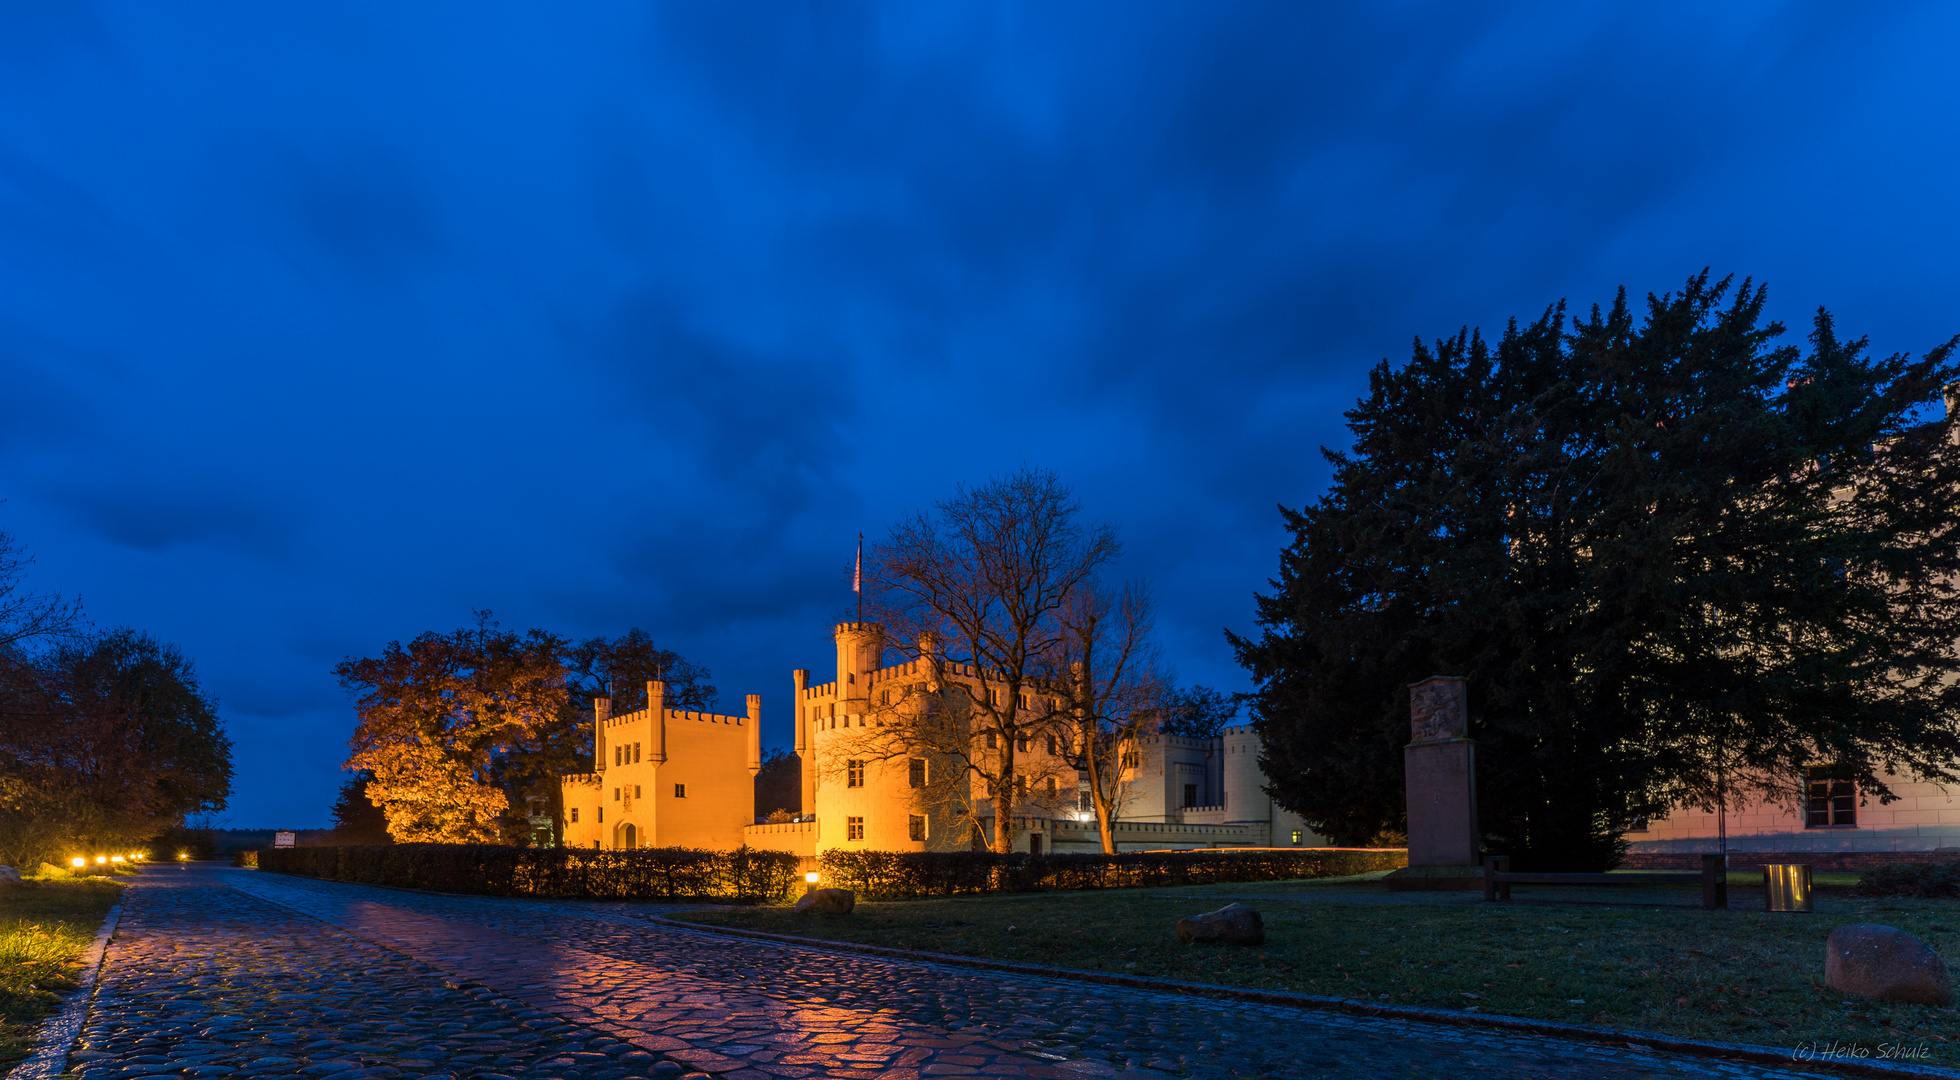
[[665, 778]]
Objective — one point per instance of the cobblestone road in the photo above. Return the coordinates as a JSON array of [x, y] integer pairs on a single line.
[[219, 971]]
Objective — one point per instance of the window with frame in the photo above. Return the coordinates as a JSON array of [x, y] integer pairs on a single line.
[[616, 757], [602, 818], [574, 813], [853, 828], [636, 791], [1297, 837], [915, 772], [680, 791], [1052, 788], [854, 774], [615, 794], [1085, 801], [1190, 795], [993, 741], [1129, 759], [1832, 799], [915, 827], [1020, 746], [636, 753], [1054, 746]]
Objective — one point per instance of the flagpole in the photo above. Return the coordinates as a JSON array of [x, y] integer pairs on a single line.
[[857, 578]]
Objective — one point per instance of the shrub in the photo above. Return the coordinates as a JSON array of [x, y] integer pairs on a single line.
[[247, 859], [1912, 879], [894, 875], [745, 874]]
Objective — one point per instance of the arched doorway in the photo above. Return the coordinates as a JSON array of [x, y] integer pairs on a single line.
[[625, 837]]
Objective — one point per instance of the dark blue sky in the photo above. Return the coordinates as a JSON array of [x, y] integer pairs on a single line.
[[323, 325]]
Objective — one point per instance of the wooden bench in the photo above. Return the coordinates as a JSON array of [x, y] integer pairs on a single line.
[[1713, 879]]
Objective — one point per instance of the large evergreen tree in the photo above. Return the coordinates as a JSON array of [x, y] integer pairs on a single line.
[[1677, 561]]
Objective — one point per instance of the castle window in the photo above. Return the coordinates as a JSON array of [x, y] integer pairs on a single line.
[[1021, 746], [615, 794], [1054, 746], [916, 827], [1129, 759], [886, 695], [915, 771], [993, 741], [1297, 837], [636, 791], [636, 752], [1085, 801], [1833, 802], [854, 774], [574, 813], [602, 820], [1051, 787], [616, 760], [1190, 795], [853, 828], [1020, 787], [680, 791]]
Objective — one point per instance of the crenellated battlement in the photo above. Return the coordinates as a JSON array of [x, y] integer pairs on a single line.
[[644, 715]]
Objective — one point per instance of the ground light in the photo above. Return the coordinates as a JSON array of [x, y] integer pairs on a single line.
[[80, 862], [99, 860]]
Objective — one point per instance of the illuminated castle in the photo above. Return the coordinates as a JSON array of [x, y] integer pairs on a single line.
[[665, 778]]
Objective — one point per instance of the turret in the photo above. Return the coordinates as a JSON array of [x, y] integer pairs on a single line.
[[657, 715], [755, 733], [601, 712], [805, 743], [860, 647]]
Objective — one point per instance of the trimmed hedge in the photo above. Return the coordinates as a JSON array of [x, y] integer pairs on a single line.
[[894, 875], [746, 875], [1912, 879]]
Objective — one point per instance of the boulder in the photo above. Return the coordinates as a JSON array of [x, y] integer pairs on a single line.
[[9, 877], [1887, 964], [1233, 924], [827, 902]]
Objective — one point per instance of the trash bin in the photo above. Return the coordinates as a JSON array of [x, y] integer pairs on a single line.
[[1786, 887]]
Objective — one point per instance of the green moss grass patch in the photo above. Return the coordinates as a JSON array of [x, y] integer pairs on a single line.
[[1738, 975], [45, 926]]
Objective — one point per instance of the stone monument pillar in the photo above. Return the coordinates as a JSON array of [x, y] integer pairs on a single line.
[[1439, 767]]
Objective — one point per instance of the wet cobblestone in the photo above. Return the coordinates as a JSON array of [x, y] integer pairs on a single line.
[[751, 1010], [206, 981]]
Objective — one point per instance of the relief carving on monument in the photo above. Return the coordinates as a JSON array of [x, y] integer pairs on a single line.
[[1436, 710]]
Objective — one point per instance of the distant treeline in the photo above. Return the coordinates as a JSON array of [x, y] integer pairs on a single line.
[[106, 740]]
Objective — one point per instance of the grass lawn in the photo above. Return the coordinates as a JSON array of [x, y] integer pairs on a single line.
[[1656, 965], [44, 927]]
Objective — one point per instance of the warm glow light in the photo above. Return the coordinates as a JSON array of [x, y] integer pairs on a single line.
[[100, 860], [115, 858], [183, 855], [80, 862], [811, 878]]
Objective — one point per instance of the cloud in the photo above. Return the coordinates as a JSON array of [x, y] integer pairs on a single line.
[[164, 513]]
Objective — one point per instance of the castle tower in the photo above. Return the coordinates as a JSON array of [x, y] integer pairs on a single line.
[[860, 647]]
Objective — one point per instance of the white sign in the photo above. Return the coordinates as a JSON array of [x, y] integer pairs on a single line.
[[282, 838]]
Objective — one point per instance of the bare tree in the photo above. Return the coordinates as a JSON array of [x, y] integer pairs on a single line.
[[978, 591], [1115, 688], [28, 616]]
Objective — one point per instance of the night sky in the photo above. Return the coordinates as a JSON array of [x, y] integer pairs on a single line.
[[322, 325]]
